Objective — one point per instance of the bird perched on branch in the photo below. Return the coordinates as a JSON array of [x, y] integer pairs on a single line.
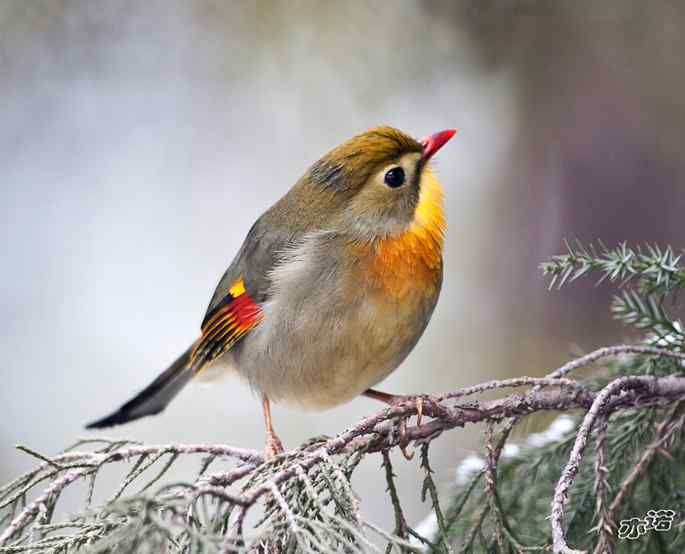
[[332, 288]]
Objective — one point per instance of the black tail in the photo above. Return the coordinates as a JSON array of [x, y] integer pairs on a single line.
[[155, 397]]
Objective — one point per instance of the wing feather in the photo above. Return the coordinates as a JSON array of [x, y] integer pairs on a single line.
[[225, 325], [235, 305]]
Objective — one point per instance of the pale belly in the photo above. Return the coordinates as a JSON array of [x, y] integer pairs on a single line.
[[323, 351], [345, 312]]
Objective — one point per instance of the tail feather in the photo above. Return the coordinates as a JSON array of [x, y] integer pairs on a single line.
[[153, 398]]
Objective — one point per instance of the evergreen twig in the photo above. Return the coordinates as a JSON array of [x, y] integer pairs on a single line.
[[303, 500]]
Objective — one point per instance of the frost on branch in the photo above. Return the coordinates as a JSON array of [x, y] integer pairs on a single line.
[[617, 455]]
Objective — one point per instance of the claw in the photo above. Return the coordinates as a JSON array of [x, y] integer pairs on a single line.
[[392, 399], [404, 441]]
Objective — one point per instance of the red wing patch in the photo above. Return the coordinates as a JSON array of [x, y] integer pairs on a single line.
[[234, 316]]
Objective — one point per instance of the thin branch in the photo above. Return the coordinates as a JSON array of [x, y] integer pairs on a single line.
[[491, 486], [430, 488], [307, 480], [400, 521], [600, 403], [604, 527], [665, 431]]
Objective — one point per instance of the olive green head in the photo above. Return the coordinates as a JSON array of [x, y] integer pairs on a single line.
[[368, 186]]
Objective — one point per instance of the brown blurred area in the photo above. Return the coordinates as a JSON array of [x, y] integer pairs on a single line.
[[138, 142], [598, 147]]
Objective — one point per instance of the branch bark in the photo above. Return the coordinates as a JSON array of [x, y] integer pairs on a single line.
[[375, 433]]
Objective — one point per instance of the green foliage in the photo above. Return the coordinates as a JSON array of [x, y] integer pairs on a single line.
[[655, 270], [303, 501], [526, 485], [648, 278], [316, 511]]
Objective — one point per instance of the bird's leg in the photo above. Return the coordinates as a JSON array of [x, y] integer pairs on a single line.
[[273, 445], [393, 399]]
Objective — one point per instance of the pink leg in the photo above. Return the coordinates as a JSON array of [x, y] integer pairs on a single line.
[[273, 446]]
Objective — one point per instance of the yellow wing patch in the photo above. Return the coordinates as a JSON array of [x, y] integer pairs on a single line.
[[238, 288], [234, 316]]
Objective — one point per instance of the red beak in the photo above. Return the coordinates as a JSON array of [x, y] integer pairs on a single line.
[[434, 142]]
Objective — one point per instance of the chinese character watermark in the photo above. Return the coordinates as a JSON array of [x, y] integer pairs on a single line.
[[655, 520]]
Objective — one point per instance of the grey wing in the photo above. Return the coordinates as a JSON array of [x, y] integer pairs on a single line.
[[258, 255], [278, 229]]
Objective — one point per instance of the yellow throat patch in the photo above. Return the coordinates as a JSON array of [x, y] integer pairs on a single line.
[[413, 259]]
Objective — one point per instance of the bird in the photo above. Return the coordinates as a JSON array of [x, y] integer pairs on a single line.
[[332, 287]]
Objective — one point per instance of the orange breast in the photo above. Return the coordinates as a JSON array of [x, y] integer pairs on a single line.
[[402, 264]]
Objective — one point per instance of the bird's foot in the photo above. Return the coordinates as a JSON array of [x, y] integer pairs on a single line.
[[424, 404], [273, 446], [404, 440]]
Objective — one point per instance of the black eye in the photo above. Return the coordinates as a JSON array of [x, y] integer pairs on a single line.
[[394, 177]]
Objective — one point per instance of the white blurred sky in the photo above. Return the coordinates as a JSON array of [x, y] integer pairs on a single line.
[[138, 146], [139, 141]]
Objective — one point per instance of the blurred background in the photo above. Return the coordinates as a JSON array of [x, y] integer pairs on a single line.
[[140, 140]]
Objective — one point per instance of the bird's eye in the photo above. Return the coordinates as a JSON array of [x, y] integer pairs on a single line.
[[394, 177]]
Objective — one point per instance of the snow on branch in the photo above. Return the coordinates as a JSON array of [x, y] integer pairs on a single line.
[[304, 500]]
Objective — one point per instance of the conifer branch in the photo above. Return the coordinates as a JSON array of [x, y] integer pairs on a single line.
[[303, 501], [304, 475]]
